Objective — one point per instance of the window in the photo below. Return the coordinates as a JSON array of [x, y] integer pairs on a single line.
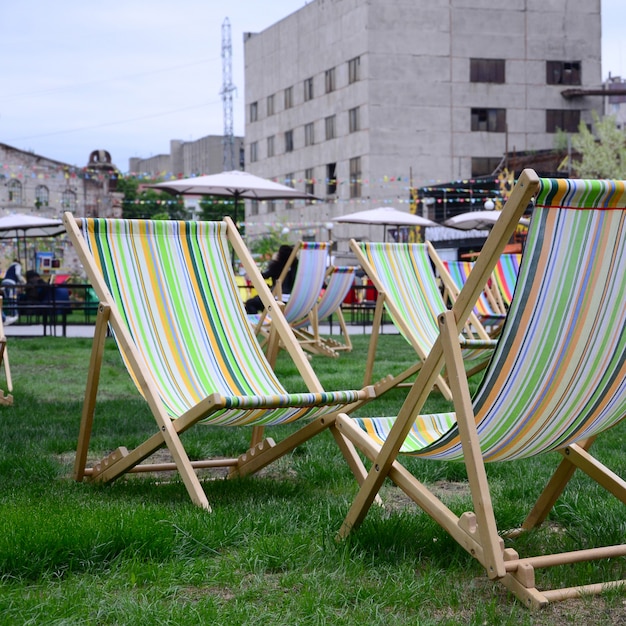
[[485, 166], [331, 179], [271, 206], [254, 152], [309, 183], [288, 97], [354, 72], [270, 105], [68, 200], [487, 70], [15, 191], [254, 207], [42, 196], [355, 177], [270, 146], [308, 89], [563, 72], [289, 181], [330, 127], [353, 120], [309, 134], [567, 120], [254, 111], [329, 80], [289, 141], [489, 120]]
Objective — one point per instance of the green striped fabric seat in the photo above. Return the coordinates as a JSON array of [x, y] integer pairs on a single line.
[[405, 272], [339, 284], [505, 276], [309, 280], [176, 291], [459, 271], [558, 374]]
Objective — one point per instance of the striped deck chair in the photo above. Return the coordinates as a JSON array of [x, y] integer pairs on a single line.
[[408, 290], [488, 307], [307, 286], [505, 276], [339, 282], [6, 399], [557, 380], [168, 292]]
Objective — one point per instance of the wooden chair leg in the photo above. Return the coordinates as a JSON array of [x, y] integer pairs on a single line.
[[89, 404]]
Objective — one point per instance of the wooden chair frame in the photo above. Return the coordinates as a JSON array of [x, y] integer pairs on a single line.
[[472, 328], [477, 531], [262, 450]]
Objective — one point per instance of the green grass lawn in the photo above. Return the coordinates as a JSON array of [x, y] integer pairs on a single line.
[[138, 552]]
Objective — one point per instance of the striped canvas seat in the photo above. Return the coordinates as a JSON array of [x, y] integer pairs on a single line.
[[180, 323], [556, 381], [305, 292], [339, 282], [505, 276], [309, 280], [408, 288], [485, 309]]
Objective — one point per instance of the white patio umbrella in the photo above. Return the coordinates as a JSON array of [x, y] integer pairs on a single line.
[[19, 226], [235, 184], [480, 220], [384, 216]]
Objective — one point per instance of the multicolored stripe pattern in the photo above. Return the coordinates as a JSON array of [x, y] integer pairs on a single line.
[[406, 275], [559, 372], [505, 274], [309, 280], [459, 272], [338, 286], [175, 289]]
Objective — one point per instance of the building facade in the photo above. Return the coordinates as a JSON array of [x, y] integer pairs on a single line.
[[359, 101], [188, 158], [35, 185]]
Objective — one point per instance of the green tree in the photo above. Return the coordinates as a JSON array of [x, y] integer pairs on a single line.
[[214, 208], [269, 242], [603, 156], [142, 203]]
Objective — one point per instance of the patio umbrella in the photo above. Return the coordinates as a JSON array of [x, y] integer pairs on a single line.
[[384, 216], [480, 220], [236, 184], [19, 226]]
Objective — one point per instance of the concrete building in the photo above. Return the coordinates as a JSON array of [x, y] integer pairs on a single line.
[[188, 158], [358, 101], [616, 105]]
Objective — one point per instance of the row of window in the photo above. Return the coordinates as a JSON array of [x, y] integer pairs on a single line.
[[557, 72], [494, 120], [481, 71], [330, 183], [330, 84], [491, 120], [42, 195], [330, 132]]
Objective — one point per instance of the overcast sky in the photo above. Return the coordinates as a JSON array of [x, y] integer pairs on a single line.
[[129, 75]]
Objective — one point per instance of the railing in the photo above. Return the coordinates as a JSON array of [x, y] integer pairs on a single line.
[[55, 307], [49, 305]]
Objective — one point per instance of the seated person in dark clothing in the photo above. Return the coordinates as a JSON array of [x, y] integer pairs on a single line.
[[39, 291], [273, 272], [36, 289]]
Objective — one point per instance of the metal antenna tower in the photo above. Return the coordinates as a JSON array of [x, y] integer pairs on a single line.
[[227, 97]]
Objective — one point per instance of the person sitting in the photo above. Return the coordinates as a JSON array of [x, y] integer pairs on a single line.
[[12, 277], [272, 272]]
